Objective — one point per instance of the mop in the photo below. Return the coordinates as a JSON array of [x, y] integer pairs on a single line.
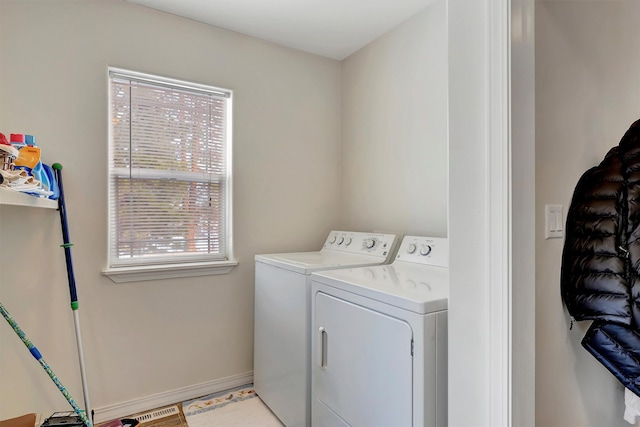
[[38, 356], [57, 167]]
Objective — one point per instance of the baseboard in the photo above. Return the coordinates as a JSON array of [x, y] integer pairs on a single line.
[[123, 409]]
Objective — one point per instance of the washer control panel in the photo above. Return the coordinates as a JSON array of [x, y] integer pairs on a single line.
[[379, 244], [424, 250]]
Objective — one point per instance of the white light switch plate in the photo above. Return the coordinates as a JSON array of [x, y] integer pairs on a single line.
[[553, 222]]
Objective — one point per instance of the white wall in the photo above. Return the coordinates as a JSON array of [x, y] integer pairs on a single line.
[[587, 95], [394, 129], [146, 338]]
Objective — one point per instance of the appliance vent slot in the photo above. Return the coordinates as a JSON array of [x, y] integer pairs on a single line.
[[157, 414]]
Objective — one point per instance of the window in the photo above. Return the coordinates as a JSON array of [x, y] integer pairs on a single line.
[[169, 178]]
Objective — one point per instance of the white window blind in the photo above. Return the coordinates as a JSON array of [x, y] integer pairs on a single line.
[[169, 183]]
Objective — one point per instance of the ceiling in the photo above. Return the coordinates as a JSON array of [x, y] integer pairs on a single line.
[[331, 28]]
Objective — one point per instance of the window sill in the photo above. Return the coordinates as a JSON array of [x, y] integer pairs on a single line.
[[173, 271]]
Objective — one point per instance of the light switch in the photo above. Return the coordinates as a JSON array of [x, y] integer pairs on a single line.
[[554, 225]]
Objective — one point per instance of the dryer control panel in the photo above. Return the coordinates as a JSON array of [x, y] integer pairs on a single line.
[[378, 244], [424, 250]]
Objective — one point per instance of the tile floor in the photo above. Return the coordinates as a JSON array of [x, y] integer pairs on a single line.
[[174, 420]]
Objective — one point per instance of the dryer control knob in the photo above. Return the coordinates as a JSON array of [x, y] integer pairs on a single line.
[[341, 240], [370, 243], [347, 241], [332, 239], [425, 250], [411, 248]]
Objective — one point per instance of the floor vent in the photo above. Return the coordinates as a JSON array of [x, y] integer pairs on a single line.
[[157, 414]]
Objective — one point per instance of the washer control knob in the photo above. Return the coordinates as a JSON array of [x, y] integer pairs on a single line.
[[347, 241], [341, 240], [332, 239], [425, 250], [370, 243], [411, 248]]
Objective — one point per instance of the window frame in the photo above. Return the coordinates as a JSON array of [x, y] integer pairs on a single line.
[[132, 271]]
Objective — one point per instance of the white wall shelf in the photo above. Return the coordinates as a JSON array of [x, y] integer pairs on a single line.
[[12, 197]]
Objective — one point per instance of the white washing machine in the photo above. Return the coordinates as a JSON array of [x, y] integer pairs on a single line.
[[379, 344], [282, 342]]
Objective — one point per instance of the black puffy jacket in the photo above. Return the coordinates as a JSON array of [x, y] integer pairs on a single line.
[[600, 278]]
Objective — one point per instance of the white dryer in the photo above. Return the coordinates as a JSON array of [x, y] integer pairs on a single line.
[[282, 342], [379, 350]]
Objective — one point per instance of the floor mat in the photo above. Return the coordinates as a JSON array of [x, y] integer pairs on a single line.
[[238, 407]]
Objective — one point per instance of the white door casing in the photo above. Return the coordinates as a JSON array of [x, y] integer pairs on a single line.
[[490, 212]]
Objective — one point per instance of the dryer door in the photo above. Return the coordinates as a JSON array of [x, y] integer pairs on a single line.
[[362, 366]]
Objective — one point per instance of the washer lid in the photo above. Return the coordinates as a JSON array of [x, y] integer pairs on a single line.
[[308, 262], [415, 287]]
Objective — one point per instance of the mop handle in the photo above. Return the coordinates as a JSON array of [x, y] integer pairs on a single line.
[[38, 356], [57, 167]]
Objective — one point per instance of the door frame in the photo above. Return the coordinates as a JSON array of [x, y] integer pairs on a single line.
[[491, 207]]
